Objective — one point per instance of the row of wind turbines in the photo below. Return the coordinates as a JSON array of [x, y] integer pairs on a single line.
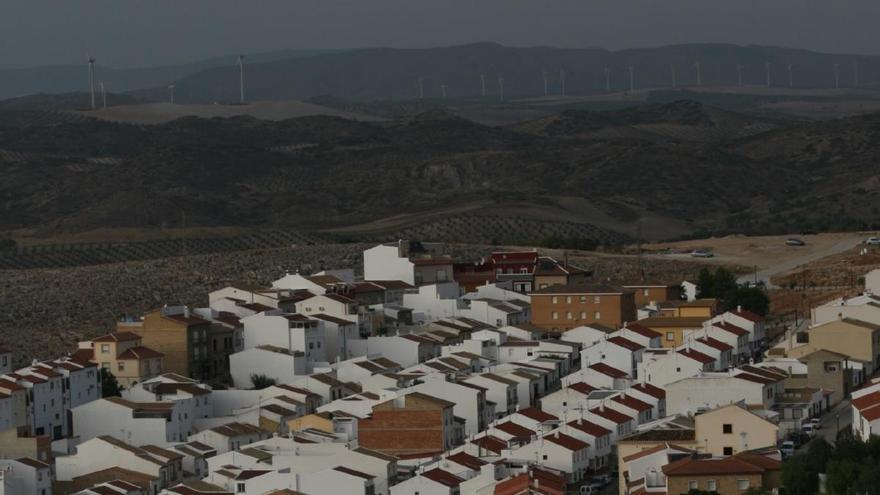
[[697, 66]]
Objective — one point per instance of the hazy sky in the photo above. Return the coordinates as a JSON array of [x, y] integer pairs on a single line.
[[151, 32]]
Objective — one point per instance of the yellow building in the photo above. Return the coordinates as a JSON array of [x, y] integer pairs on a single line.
[[857, 339], [673, 329], [123, 355], [732, 429]]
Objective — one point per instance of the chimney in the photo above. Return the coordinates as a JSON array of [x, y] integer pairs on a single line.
[[739, 308]]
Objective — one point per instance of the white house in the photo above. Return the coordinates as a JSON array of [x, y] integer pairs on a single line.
[[433, 482], [502, 391], [597, 437], [470, 400], [25, 475], [192, 400], [557, 450], [338, 332], [135, 422], [388, 262], [588, 335], [5, 360], [497, 312], [753, 323], [640, 334], [615, 421], [435, 302], [866, 412], [667, 367], [277, 363], [106, 452], [865, 307], [689, 290], [406, 350], [293, 332], [616, 351], [230, 436], [707, 391], [46, 410]]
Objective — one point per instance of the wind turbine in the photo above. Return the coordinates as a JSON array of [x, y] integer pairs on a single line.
[[171, 88], [632, 79], [607, 80], [856, 72], [699, 68], [767, 70], [421, 87], [103, 94], [674, 81], [790, 76], [546, 87], [443, 90], [241, 78], [501, 88], [92, 80], [836, 76], [739, 75], [562, 81], [483, 84]]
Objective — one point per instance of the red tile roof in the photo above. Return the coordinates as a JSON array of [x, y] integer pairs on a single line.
[[467, 460], [608, 370], [867, 400], [582, 387], [566, 441], [652, 390], [589, 428], [719, 466], [443, 477], [632, 403], [748, 315], [139, 353], [537, 414], [731, 328], [611, 415], [625, 343], [715, 344], [515, 430], [343, 469], [643, 330], [696, 356], [117, 337], [490, 443]]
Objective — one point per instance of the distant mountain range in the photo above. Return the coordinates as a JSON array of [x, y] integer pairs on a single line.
[[394, 73], [69, 78]]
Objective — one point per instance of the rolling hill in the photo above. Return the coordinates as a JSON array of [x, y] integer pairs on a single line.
[[674, 168]]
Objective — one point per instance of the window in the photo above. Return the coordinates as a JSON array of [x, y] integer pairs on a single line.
[[728, 450], [597, 299], [742, 485], [555, 315], [320, 308], [544, 457], [670, 336], [645, 292], [120, 366], [239, 488], [598, 315], [311, 345], [832, 366], [727, 428], [567, 299], [693, 485], [568, 315], [583, 299], [524, 270], [583, 315], [105, 348], [711, 485], [554, 300]]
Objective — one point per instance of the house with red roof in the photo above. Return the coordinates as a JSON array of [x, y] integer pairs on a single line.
[[707, 391], [596, 436], [732, 335], [617, 352], [124, 356], [753, 323], [559, 451], [723, 475], [641, 334], [866, 414], [662, 368], [599, 375]]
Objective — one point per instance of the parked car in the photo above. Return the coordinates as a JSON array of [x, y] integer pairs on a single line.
[[603, 479], [808, 429], [702, 253], [590, 488], [787, 449], [794, 242], [873, 241], [798, 438], [817, 423]]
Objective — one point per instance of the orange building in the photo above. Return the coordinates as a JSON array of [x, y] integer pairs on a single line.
[[646, 292], [413, 424], [563, 307]]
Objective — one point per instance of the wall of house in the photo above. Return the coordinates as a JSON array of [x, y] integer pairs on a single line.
[[860, 343], [283, 368], [168, 337], [725, 484], [571, 311], [384, 263], [759, 433], [13, 446], [401, 432], [686, 396]]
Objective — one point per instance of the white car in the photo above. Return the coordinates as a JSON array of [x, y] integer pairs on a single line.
[[817, 423], [590, 488], [873, 241], [787, 449]]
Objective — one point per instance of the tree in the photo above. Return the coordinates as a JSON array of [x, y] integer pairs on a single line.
[[797, 479], [750, 298], [109, 386], [706, 283], [724, 283], [261, 381]]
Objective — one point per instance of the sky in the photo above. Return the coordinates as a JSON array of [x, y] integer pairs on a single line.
[[142, 33]]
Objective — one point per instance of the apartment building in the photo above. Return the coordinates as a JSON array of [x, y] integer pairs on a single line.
[[563, 307]]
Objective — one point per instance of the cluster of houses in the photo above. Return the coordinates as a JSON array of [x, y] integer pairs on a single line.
[[515, 374]]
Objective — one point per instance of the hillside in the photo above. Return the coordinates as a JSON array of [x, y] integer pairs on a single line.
[[677, 168], [394, 73]]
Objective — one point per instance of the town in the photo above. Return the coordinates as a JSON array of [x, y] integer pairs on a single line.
[[511, 374]]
